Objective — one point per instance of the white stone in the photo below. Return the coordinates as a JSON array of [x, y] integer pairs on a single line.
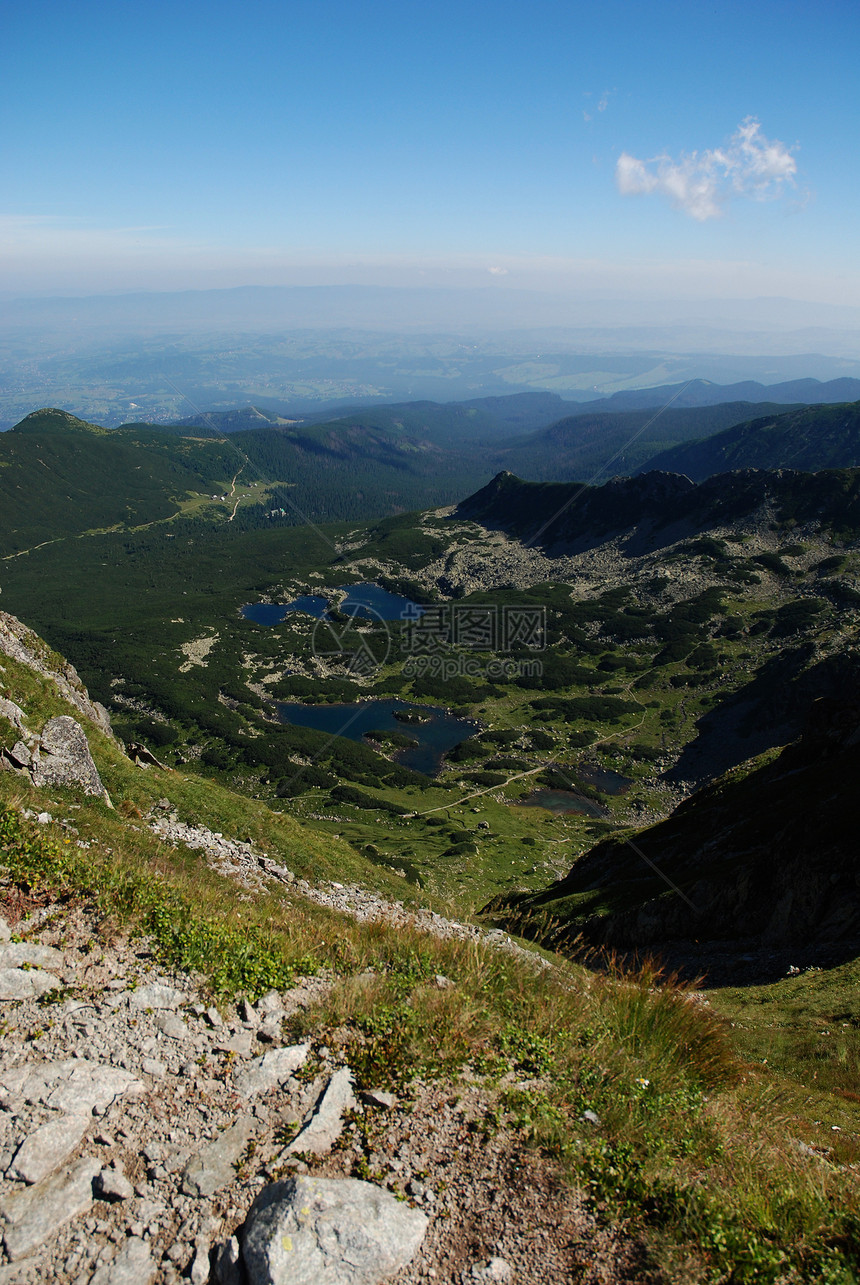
[[112, 1184], [240, 1043], [199, 1271], [15, 983], [33, 1215], [21, 753], [340, 1231], [326, 1124], [214, 1167], [269, 1070], [379, 1098], [12, 713], [172, 1026], [75, 1085], [497, 1270], [48, 1147], [16, 953], [156, 995], [271, 1002], [133, 1265]]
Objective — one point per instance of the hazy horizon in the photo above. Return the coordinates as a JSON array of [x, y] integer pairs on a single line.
[[654, 152]]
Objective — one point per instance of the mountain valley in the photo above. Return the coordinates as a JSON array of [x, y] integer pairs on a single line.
[[656, 678]]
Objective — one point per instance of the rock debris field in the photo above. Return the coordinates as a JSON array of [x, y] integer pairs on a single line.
[[242, 862], [147, 1136]]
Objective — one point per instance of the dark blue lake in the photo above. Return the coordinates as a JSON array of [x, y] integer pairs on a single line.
[[369, 600], [603, 778], [440, 733], [559, 801], [365, 600], [272, 613]]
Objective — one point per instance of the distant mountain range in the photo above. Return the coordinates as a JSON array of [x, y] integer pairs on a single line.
[[596, 445], [505, 416], [702, 392], [411, 457]]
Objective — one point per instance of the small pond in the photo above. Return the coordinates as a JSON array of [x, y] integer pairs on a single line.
[[367, 601], [370, 601], [435, 734], [560, 801], [603, 778], [272, 613]]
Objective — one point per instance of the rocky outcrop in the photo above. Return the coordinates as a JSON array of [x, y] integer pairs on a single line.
[[23, 645], [656, 507], [59, 756], [62, 757]]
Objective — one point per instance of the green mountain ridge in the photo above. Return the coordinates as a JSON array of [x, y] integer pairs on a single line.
[[804, 438], [62, 476], [591, 445], [51, 420]]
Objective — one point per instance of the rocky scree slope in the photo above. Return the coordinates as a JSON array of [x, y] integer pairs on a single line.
[[144, 1131], [149, 1136]]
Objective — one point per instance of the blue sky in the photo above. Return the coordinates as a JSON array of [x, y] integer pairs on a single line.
[[164, 146]]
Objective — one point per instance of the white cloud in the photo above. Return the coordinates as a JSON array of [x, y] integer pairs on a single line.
[[498, 272], [700, 183]]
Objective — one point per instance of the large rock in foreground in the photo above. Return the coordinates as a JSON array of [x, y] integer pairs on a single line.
[[63, 757], [328, 1231]]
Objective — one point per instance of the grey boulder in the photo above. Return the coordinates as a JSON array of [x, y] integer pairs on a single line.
[[328, 1231], [214, 1167], [157, 995], [48, 1147], [271, 1069], [13, 713], [31, 953], [326, 1124], [133, 1265], [63, 758], [32, 1216], [15, 983]]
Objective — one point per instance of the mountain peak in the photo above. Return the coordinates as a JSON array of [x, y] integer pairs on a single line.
[[51, 420]]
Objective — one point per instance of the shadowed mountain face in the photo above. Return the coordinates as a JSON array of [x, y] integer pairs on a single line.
[[809, 438], [767, 853], [657, 505], [770, 710]]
